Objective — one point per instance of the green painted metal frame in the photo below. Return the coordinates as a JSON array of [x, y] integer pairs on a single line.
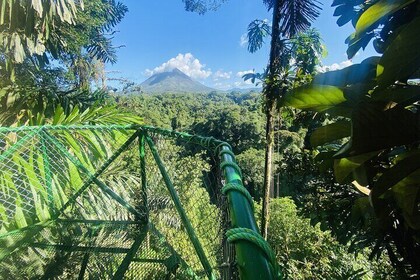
[[143, 176], [119, 274], [252, 262], [98, 172], [43, 133], [48, 177], [190, 230]]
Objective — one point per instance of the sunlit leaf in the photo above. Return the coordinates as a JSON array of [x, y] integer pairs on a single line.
[[363, 72], [375, 13], [316, 98], [402, 57]]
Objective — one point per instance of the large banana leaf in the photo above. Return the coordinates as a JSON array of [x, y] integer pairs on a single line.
[[402, 57]]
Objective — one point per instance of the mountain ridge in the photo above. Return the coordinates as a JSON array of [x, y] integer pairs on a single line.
[[174, 81]]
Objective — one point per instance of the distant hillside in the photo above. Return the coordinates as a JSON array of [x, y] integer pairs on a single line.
[[174, 81], [245, 90]]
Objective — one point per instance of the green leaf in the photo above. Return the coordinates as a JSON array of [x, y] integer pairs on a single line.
[[354, 74], [2, 11], [94, 144], [59, 196], [38, 7], [346, 14], [41, 209], [330, 132], [402, 57], [73, 117], [398, 175], [59, 116], [19, 52], [3, 215], [31, 175], [74, 176], [374, 128], [20, 217], [316, 98], [324, 155], [405, 95], [338, 2], [344, 166], [406, 197], [360, 209], [375, 13], [357, 43]]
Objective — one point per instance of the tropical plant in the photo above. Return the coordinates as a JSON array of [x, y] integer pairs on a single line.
[[289, 18], [28, 27], [202, 6], [304, 251], [375, 106], [78, 40], [38, 179], [31, 160], [42, 29]]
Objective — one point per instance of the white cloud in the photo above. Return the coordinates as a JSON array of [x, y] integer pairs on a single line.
[[241, 84], [187, 63], [219, 74], [335, 66], [222, 86], [231, 85], [241, 73], [243, 42]]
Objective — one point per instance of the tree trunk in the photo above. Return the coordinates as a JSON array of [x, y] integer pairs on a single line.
[[269, 129], [271, 92]]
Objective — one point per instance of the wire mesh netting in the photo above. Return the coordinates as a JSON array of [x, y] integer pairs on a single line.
[[110, 202]]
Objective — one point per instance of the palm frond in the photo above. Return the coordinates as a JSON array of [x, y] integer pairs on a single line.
[[297, 15], [114, 14], [202, 6], [102, 49], [258, 30]]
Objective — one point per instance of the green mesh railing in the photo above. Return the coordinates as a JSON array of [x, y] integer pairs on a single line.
[[132, 202]]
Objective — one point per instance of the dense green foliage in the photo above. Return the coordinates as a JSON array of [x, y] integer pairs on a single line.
[[74, 51], [239, 118], [354, 169], [233, 117], [375, 110], [307, 252]]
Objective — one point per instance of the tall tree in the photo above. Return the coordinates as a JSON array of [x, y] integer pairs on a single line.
[[289, 18]]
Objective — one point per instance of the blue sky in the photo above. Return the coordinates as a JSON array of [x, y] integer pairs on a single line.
[[159, 35]]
